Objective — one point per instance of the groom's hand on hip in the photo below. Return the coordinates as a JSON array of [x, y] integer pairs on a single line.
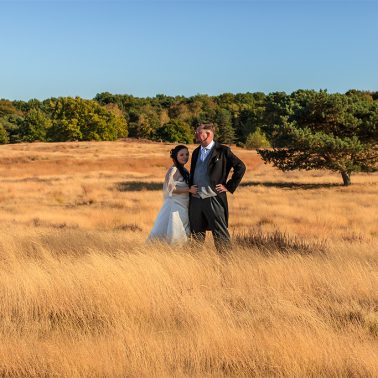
[[221, 188]]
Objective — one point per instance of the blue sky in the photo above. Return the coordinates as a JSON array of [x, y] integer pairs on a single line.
[[80, 48]]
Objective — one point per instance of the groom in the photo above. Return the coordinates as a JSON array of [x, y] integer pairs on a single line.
[[210, 166]]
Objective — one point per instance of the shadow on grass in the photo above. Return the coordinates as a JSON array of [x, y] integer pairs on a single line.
[[290, 185], [279, 242], [137, 186]]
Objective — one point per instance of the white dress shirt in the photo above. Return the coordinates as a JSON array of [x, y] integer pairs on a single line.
[[205, 150]]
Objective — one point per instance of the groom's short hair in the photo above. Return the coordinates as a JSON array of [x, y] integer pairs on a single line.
[[208, 126]]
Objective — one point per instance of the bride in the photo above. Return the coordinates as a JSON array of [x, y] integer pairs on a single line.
[[172, 222]]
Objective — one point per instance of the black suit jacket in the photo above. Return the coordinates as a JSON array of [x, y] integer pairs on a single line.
[[221, 160]]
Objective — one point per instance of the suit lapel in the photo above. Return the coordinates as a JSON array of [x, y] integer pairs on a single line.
[[213, 156]]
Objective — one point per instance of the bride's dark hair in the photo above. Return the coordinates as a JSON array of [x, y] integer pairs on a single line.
[[184, 172]]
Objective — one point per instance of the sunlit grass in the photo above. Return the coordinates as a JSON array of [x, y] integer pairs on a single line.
[[81, 294]]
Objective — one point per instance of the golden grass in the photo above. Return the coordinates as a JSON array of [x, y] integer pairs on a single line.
[[82, 295]]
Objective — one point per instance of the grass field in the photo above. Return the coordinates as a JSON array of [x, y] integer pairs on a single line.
[[81, 294]]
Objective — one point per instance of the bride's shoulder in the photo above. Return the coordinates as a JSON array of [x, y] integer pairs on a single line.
[[172, 170]]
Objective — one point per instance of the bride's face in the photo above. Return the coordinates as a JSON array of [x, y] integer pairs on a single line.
[[183, 156]]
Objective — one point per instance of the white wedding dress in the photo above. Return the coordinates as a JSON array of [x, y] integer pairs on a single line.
[[172, 222]]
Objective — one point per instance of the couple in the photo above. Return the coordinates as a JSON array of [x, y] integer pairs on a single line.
[[196, 202]]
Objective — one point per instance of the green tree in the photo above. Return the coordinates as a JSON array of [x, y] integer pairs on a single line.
[[335, 132], [78, 119], [144, 121], [11, 124], [7, 108], [247, 122], [34, 126], [3, 135], [205, 106], [225, 133], [175, 131], [180, 111]]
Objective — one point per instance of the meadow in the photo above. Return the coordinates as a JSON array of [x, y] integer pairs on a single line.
[[82, 295]]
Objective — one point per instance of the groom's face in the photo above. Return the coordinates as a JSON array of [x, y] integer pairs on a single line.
[[201, 134]]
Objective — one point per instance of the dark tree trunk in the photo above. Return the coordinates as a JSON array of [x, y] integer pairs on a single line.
[[346, 178]]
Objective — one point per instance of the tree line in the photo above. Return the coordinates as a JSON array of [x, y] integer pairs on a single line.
[[306, 129]]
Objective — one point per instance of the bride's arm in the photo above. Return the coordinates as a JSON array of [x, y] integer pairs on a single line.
[[192, 189], [169, 187], [169, 182]]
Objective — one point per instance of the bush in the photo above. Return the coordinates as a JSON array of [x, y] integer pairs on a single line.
[[257, 139]]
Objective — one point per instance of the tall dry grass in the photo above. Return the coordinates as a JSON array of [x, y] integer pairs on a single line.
[[81, 294]]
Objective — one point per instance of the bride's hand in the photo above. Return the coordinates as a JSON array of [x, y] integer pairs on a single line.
[[193, 189]]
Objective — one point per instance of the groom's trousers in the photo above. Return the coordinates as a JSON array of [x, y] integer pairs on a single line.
[[209, 214]]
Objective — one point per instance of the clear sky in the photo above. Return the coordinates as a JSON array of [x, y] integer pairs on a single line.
[[80, 48]]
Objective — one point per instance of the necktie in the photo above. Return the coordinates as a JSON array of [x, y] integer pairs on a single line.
[[203, 154]]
